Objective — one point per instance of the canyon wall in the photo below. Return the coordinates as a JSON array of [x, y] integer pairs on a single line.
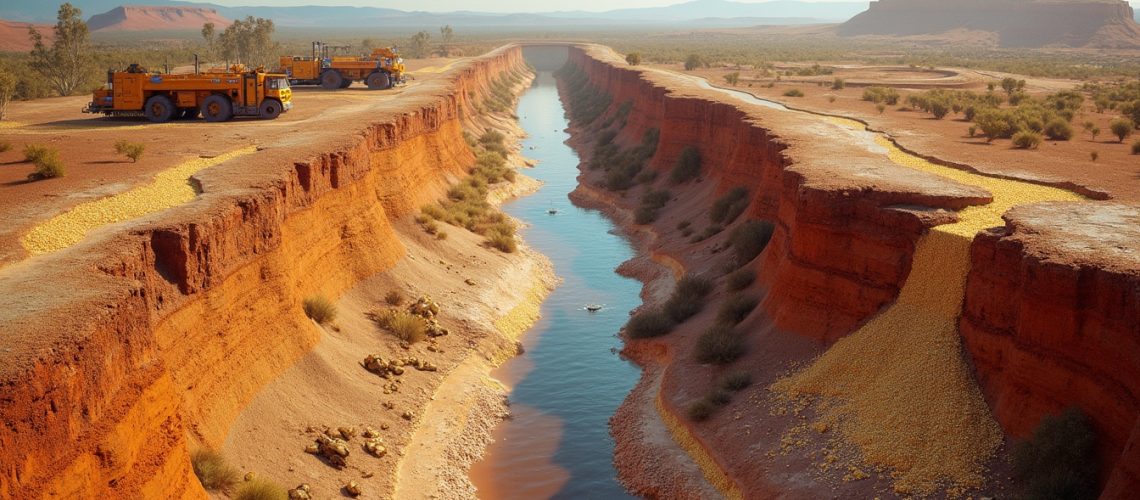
[[843, 242], [1018, 23], [130, 349], [1052, 320]]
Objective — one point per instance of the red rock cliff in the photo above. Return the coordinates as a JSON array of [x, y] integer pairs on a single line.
[[143, 18], [842, 245], [124, 352], [1052, 320]]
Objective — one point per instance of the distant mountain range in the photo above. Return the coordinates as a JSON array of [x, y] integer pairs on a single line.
[[698, 13]]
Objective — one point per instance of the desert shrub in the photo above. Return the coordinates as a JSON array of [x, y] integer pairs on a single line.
[[881, 107], [694, 61], [1026, 140], [700, 410], [394, 298], [646, 176], [648, 324], [719, 345], [633, 58], [1058, 130], [47, 163], [750, 238], [735, 381], [5, 146], [939, 109], [732, 78], [708, 232], [1059, 460], [492, 137], [1122, 128], [441, 235], [319, 308], [1094, 156], [883, 95], [688, 166], [434, 211], [719, 397], [736, 308], [213, 471], [405, 326], [132, 150], [688, 297], [838, 84], [727, 208], [656, 199], [505, 243], [1136, 147], [794, 93], [261, 489], [683, 225], [33, 152], [740, 279], [644, 215]]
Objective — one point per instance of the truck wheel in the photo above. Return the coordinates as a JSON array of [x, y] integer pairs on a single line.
[[269, 109], [379, 81], [159, 109], [346, 84], [332, 80], [217, 108]]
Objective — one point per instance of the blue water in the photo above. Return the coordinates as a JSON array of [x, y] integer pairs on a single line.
[[570, 379]]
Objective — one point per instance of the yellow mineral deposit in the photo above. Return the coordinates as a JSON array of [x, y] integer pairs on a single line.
[[899, 386], [170, 188]]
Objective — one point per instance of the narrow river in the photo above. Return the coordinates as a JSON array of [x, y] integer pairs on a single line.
[[570, 380]]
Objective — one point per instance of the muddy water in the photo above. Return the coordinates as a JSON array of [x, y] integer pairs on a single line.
[[570, 379]]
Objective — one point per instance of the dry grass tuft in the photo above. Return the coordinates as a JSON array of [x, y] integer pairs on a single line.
[[406, 326], [261, 489], [319, 308], [213, 471]]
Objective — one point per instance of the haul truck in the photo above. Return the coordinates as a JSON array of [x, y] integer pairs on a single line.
[[380, 70], [217, 96]]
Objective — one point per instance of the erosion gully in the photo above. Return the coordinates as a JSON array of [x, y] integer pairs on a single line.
[[570, 379]]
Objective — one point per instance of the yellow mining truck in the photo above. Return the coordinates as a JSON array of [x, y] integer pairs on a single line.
[[381, 69], [216, 95]]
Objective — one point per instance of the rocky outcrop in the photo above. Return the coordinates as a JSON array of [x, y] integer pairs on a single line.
[[105, 387], [147, 18], [1018, 23], [14, 35], [1052, 320]]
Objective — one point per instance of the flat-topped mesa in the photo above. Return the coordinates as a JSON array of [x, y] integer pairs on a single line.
[[120, 354], [153, 18], [1018, 23]]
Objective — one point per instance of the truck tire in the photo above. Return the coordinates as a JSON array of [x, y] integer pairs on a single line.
[[217, 108], [347, 83], [159, 109], [269, 109], [379, 81], [332, 80]]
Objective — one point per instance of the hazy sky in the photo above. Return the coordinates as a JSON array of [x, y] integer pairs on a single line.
[[482, 5]]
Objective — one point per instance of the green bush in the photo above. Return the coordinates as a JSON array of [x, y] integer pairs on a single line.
[[727, 208], [33, 152], [735, 381], [644, 215], [48, 165], [881, 95], [750, 238], [633, 58], [688, 166], [132, 150], [1059, 460], [1136, 147], [319, 308], [794, 93], [688, 298], [213, 471], [261, 489], [740, 279], [1058, 130], [1026, 140], [648, 324], [719, 345], [736, 308], [405, 326], [838, 84], [719, 397], [505, 243]]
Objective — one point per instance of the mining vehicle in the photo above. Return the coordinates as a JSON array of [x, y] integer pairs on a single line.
[[217, 95], [382, 69]]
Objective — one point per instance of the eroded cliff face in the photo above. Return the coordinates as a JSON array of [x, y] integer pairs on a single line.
[[1052, 320], [124, 352], [842, 245]]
